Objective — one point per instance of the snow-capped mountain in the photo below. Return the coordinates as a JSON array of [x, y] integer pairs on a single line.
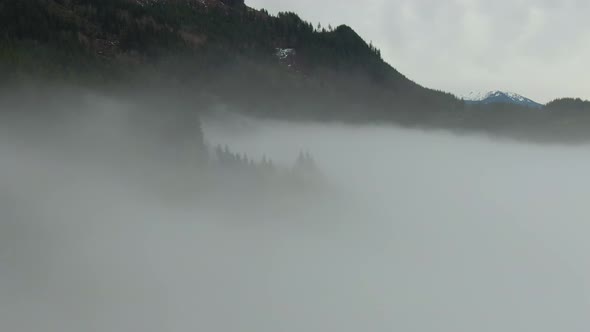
[[494, 97]]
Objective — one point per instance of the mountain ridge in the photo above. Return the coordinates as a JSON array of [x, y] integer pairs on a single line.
[[498, 96]]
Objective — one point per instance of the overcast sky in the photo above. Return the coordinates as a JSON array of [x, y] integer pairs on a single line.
[[538, 48]]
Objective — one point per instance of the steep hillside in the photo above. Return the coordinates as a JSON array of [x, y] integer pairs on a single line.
[[226, 49]]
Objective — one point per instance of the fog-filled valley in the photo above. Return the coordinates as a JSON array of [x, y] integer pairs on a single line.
[[118, 216], [207, 165]]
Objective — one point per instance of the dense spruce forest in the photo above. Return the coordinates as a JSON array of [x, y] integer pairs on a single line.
[[223, 52]]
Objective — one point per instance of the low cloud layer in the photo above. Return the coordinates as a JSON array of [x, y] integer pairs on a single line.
[[411, 231], [532, 47]]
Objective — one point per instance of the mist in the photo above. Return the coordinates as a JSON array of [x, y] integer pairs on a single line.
[[407, 230]]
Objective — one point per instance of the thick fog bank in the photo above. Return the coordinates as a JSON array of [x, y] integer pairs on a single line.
[[408, 231], [457, 233]]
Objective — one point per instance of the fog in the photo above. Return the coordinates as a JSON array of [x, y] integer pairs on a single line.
[[407, 231]]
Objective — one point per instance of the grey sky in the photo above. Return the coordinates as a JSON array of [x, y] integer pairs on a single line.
[[538, 48]]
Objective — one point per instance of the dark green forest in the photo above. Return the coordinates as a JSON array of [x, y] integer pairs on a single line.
[[227, 45]]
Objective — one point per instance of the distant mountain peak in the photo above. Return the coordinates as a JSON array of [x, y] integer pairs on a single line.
[[503, 97], [473, 96]]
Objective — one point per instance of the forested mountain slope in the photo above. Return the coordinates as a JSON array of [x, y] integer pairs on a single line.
[[225, 49]]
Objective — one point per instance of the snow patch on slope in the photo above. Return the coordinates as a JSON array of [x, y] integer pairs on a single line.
[[474, 96], [285, 53]]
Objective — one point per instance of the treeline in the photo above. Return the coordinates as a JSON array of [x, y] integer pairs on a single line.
[[223, 158]]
